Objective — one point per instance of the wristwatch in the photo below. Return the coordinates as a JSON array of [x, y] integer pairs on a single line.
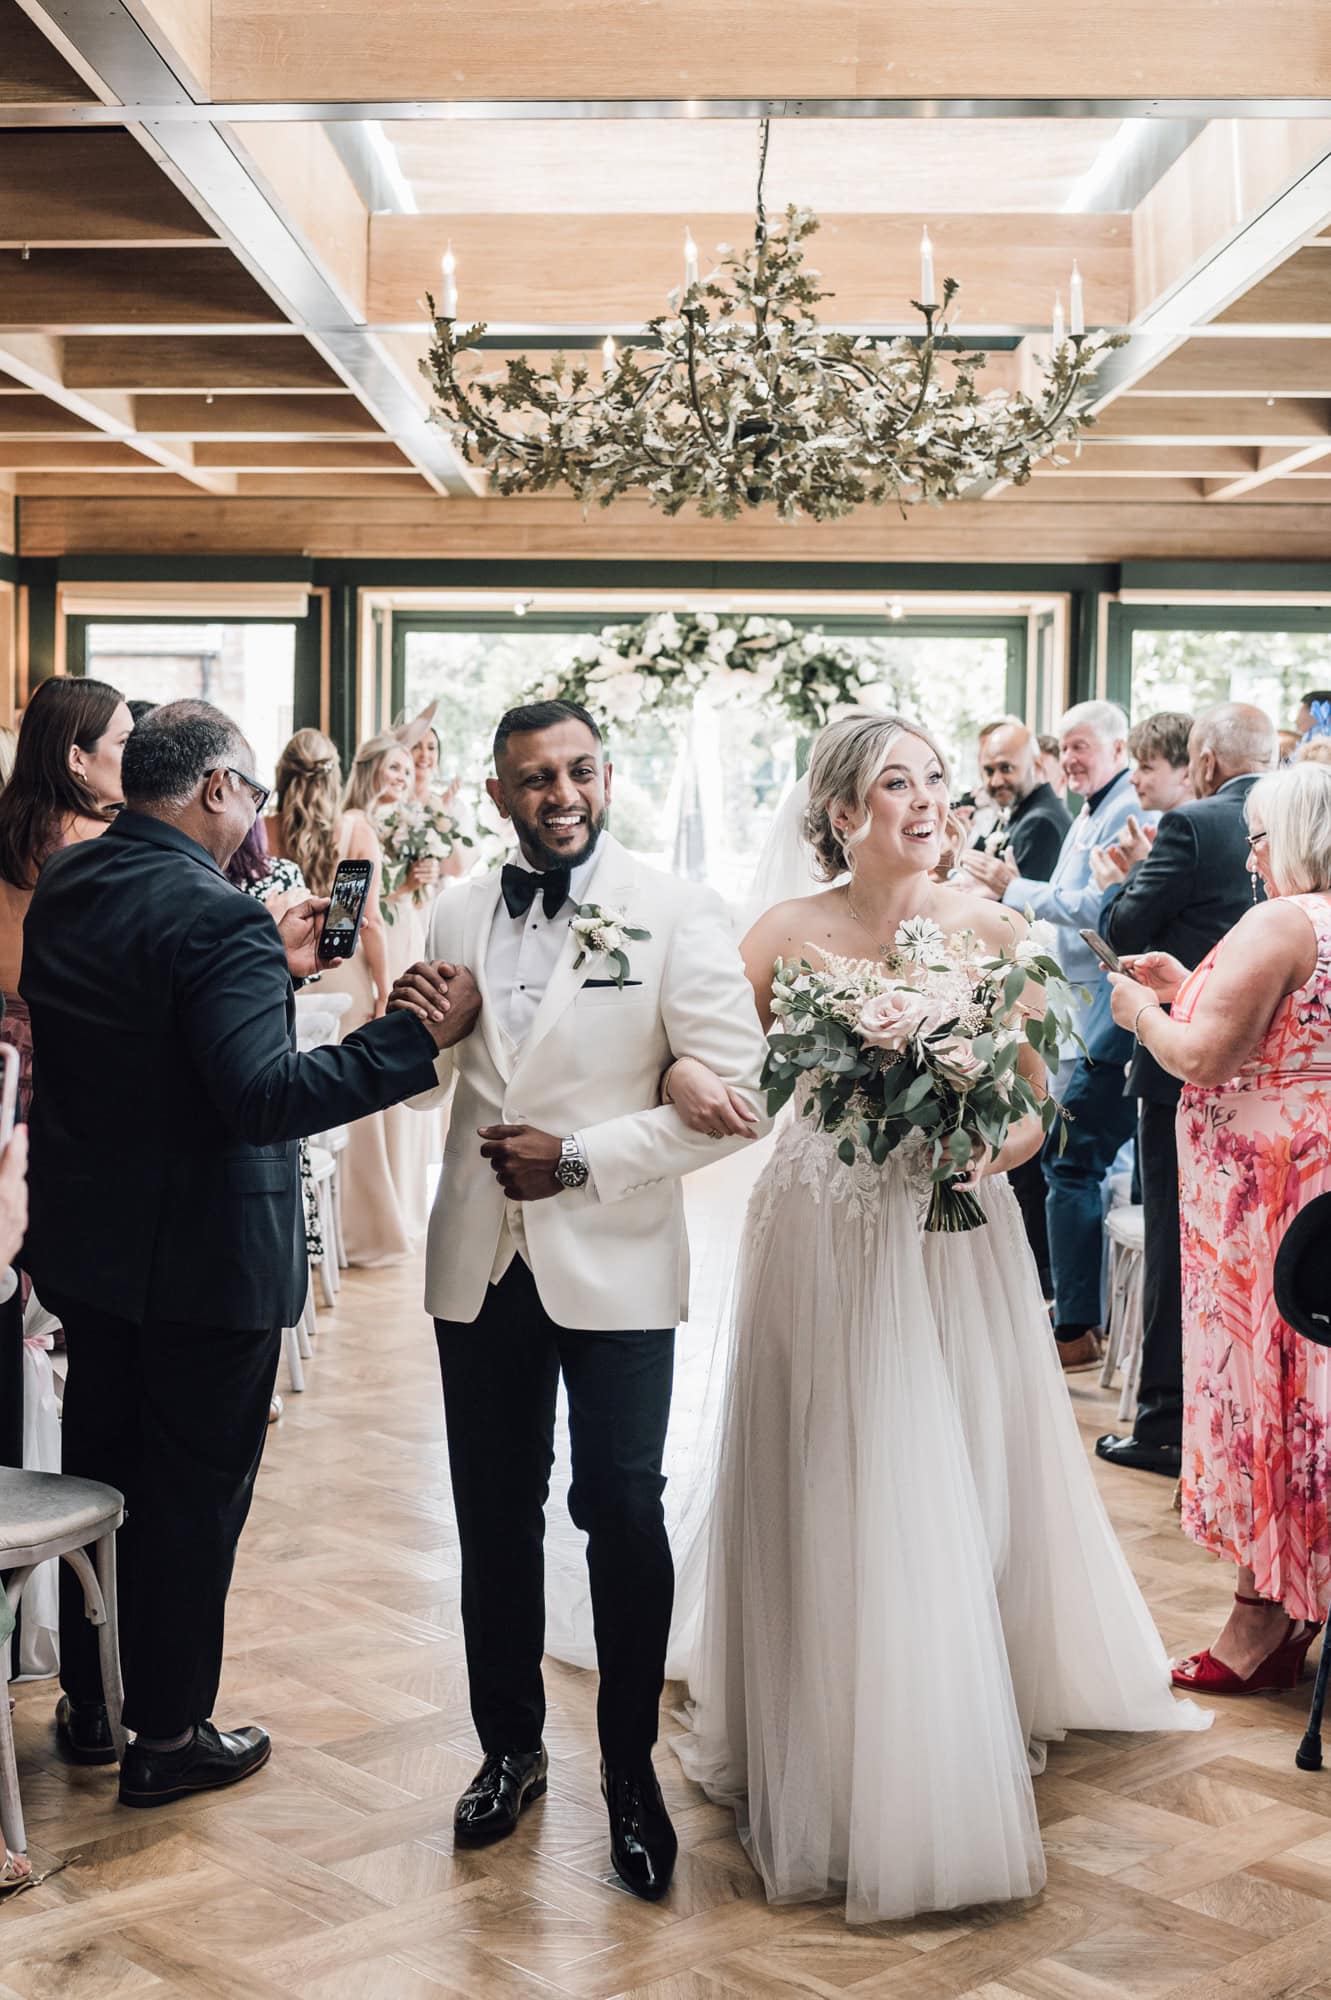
[[572, 1170]]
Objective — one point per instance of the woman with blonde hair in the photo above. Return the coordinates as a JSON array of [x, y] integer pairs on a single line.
[[383, 775], [1249, 1034], [313, 826], [912, 1584]]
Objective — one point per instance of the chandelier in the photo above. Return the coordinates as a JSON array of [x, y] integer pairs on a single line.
[[737, 397]]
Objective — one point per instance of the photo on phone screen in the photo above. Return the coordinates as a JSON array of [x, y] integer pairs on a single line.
[[346, 907], [1105, 953]]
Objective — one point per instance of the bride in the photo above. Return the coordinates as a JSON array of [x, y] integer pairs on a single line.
[[912, 1583]]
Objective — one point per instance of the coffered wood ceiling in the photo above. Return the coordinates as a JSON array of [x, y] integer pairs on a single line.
[[217, 225]]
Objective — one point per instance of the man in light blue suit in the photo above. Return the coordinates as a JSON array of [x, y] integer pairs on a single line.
[[1093, 740]]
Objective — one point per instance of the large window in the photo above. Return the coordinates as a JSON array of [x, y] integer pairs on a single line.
[[697, 794], [245, 667], [1187, 657]]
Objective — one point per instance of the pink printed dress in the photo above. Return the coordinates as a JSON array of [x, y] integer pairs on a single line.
[[1257, 1397]]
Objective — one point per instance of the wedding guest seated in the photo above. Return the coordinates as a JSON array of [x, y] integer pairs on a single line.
[[165, 1209], [1191, 887], [1050, 762], [64, 788], [1316, 751], [1249, 1038]]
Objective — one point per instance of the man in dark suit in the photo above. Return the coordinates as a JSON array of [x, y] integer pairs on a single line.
[[1189, 889], [1030, 837], [166, 1225], [1036, 821]]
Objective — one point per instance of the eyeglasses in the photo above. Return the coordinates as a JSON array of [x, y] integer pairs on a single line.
[[1255, 840], [259, 793]]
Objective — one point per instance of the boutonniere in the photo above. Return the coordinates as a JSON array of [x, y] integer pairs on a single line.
[[604, 934]]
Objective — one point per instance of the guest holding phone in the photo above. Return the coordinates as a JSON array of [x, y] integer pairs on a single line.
[[166, 1208], [316, 827]]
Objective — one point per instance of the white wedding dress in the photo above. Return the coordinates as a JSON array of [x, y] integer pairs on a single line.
[[912, 1583]]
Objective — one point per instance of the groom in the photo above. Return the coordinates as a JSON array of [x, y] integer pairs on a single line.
[[557, 1245]]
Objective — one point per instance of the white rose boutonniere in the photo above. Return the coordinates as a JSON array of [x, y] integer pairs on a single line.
[[604, 934]]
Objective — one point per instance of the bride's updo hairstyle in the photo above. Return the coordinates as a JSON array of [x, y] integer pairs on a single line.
[[848, 757]]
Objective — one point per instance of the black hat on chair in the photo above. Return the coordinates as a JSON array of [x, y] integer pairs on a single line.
[[1303, 1272]]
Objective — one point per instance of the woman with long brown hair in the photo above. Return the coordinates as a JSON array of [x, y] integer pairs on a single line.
[[314, 826], [64, 787]]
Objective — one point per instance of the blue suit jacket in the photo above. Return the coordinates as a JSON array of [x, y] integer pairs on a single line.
[[1071, 901]]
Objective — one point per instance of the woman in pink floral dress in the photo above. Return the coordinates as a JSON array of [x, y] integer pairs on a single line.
[[1250, 1035]]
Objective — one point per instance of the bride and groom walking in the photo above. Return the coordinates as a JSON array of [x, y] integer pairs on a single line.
[[912, 1584]]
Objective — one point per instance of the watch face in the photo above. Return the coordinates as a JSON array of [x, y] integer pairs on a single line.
[[571, 1174]]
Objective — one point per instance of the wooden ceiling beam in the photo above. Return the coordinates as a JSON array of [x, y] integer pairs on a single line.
[[87, 186], [1105, 459], [222, 364], [36, 359], [806, 48], [298, 455], [1014, 527], [30, 70], [572, 271], [1159, 420], [58, 291], [1296, 293], [254, 416], [77, 454], [1222, 368], [1275, 466]]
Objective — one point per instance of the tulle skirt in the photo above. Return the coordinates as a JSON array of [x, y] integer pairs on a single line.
[[912, 1583]]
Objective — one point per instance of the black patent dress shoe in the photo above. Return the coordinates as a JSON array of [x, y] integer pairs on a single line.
[[498, 1795], [215, 1758], [1130, 1451], [83, 1732], [642, 1840]]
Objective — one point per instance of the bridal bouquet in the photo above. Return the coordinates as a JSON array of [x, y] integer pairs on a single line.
[[927, 1042], [408, 832]]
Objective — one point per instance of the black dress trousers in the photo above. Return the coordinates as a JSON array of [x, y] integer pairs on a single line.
[[176, 1417], [501, 1375], [1159, 1418]]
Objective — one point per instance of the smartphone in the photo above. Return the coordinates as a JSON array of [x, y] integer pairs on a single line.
[[346, 907], [1102, 951], [12, 1063]]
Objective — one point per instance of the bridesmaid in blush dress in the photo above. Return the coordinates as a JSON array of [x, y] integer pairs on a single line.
[[314, 828], [1250, 1036]]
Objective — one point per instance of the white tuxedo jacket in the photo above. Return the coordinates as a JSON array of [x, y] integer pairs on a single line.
[[614, 1255]]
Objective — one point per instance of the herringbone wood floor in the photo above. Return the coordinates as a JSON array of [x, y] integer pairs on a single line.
[[1181, 1868]]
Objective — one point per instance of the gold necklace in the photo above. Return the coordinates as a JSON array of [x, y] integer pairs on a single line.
[[884, 950]]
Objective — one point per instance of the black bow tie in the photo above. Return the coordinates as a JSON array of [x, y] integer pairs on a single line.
[[520, 886]]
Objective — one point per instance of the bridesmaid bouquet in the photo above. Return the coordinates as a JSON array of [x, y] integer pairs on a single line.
[[409, 832], [925, 1041]]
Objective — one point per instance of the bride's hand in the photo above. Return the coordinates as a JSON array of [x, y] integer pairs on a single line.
[[705, 1103], [982, 1163]]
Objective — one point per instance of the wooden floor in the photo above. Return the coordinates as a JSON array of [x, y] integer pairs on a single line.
[[1195, 1867]]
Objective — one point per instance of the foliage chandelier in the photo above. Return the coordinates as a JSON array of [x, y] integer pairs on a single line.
[[739, 398]]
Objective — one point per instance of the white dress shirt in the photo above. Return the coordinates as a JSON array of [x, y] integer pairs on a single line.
[[522, 954]]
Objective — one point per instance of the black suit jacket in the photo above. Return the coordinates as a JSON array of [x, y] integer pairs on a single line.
[[168, 1094], [1192, 887], [1036, 832]]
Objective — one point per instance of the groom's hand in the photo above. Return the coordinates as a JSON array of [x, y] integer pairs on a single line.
[[445, 997], [524, 1160]]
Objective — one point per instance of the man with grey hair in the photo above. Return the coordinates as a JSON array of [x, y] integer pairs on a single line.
[[1189, 889], [166, 1224], [1093, 748]]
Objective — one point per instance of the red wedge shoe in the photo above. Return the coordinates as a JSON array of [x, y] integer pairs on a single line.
[[1202, 1673]]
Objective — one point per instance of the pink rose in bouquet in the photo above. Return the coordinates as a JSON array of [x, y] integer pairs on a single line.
[[957, 1062], [892, 1020]]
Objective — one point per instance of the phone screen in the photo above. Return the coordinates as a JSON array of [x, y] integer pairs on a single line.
[[1105, 953], [10, 1064], [342, 919]]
